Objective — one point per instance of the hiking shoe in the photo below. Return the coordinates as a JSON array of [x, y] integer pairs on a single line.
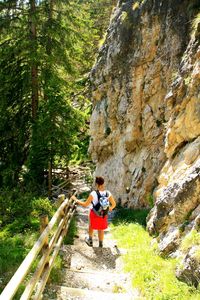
[[89, 242], [100, 244]]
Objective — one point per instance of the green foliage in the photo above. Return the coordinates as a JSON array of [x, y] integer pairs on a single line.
[[83, 195], [190, 240], [137, 4], [183, 225], [15, 204], [59, 42], [13, 249], [61, 123], [61, 51], [151, 274], [195, 24], [18, 209], [19, 292], [56, 272], [131, 215], [21, 231], [72, 231], [193, 7], [100, 12], [42, 206], [197, 255], [150, 200]]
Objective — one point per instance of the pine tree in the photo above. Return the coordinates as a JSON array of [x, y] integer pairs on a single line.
[[36, 48], [47, 49]]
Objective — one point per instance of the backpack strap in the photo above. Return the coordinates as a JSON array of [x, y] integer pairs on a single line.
[[98, 194], [98, 197]]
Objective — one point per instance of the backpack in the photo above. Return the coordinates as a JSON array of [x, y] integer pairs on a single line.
[[102, 207]]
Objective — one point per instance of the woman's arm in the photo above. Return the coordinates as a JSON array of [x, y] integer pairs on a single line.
[[112, 202], [84, 204]]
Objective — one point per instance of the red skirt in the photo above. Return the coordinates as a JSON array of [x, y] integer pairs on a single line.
[[97, 222]]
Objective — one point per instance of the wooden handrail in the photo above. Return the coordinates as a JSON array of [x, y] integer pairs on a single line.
[[63, 215], [61, 185]]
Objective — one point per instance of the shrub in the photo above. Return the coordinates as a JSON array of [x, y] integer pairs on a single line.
[[42, 206], [14, 204]]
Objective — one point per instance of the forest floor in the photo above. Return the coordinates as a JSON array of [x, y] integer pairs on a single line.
[[91, 272]]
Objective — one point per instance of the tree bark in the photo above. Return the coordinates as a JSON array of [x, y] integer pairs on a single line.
[[34, 68], [50, 179], [48, 50]]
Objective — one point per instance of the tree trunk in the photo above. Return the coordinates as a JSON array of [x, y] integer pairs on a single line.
[[50, 179], [48, 50], [34, 68]]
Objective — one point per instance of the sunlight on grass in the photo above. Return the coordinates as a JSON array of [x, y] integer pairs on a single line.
[[153, 275], [72, 231], [190, 240], [137, 4], [102, 41], [195, 23], [56, 272]]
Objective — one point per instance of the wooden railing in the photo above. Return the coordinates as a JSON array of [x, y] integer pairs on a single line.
[[46, 249], [60, 188]]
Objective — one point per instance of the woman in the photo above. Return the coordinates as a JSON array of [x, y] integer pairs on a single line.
[[97, 222]]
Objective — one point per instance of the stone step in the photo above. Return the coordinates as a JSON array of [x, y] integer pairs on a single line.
[[66, 293], [80, 256], [104, 281], [83, 232]]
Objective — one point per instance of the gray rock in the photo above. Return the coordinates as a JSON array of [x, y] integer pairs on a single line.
[[190, 271]]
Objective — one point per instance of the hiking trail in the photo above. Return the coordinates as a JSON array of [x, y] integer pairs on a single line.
[[91, 272]]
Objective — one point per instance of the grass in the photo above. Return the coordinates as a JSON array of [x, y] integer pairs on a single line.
[[130, 216], [17, 239], [151, 274], [195, 23], [56, 272], [13, 249], [71, 233], [191, 239]]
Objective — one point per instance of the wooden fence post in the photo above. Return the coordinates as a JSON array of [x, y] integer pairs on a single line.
[[44, 221], [61, 199]]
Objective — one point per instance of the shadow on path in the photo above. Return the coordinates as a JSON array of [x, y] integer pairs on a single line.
[[102, 256]]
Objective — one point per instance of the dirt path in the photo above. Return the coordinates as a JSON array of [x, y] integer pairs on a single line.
[[91, 272]]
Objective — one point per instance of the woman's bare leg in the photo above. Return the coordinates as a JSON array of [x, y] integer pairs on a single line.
[[88, 240], [101, 237], [91, 231]]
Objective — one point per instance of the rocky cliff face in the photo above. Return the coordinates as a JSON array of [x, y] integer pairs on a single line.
[[145, 126], [137, 111]]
